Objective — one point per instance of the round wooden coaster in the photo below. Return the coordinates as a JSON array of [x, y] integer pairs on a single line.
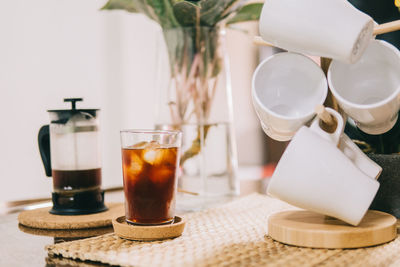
[[148, 233], [41, 218], [68, 233], [309, 229]]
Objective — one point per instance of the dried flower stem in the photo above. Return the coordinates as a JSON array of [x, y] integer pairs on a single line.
[[200, 90]]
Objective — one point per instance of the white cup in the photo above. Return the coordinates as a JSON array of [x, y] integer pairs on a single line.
[[369, 90], [314, 174], [359, 159], [286, 87], [348, 148], [333, 29]]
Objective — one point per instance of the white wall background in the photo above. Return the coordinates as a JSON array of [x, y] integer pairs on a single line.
[[50, 50]]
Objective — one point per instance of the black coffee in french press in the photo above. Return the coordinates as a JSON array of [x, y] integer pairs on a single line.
[[70, 151]]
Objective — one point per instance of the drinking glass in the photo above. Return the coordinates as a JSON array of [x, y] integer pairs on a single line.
[[150, 162]]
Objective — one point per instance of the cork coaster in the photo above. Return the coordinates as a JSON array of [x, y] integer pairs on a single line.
[[41, 218], [67, 233], [148, 233]]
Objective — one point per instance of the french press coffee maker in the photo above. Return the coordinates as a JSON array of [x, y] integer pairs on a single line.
[[70, 151]]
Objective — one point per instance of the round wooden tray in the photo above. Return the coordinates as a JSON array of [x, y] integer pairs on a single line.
[[42, 219], [148, 233], [309, 229]]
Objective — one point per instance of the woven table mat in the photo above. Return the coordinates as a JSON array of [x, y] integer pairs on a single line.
[[233, 234]]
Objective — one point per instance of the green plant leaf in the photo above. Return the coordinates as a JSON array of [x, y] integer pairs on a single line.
[[158, 10], [186, 13], [213, 11], [127, 5], [136, 6], [163, 11], [247, 13]]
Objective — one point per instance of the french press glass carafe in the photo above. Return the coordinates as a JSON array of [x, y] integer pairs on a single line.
[[70, 151]]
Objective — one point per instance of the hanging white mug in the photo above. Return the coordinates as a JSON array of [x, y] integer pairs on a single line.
[[314, 174], [369, 90], [286, 87], [333, 29]]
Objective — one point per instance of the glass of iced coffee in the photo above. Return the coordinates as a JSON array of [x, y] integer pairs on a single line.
[[150, 162]]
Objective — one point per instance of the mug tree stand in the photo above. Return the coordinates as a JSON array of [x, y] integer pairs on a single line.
[[309, 229]]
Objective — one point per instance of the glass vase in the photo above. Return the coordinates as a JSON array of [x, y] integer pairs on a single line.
[[195, 96]]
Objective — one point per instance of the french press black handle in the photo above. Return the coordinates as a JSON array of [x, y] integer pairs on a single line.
[[73, 101], [44, 148]]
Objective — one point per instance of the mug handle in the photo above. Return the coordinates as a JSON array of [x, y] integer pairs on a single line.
[[335, 136], [358, 157], [44, 148]]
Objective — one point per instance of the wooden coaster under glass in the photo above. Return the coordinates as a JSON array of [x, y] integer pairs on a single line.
[[148, 232]]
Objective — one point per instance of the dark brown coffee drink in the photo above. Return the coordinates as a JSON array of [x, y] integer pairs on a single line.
[[77, 180], [150, 183]]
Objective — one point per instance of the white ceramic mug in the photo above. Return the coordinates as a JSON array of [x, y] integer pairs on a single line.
[[286, 87], [333, 29], [369, 90], [348, 148], [359, 159], [314, 174]]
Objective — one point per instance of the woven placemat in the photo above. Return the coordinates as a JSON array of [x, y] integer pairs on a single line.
[[233, 234], [42, 219]]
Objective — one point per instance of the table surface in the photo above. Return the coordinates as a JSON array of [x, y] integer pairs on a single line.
[[18, 248]]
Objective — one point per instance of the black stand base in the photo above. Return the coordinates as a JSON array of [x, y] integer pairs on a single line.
[[78, 203]]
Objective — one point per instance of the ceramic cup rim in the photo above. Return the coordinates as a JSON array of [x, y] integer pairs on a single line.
[[284, 54], [365, 106]]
